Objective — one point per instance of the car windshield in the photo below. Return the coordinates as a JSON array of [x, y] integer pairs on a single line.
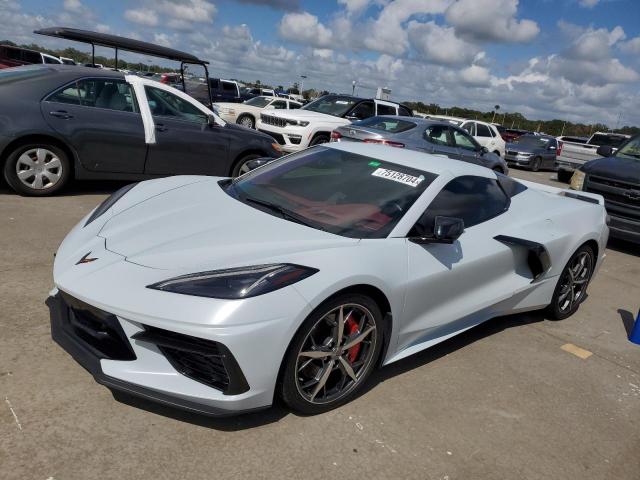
[[329, 189], [259, 102], [532, 141], [386, 124], [631, 149], [331, 105]]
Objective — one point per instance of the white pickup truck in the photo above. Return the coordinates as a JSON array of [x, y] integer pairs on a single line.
[[312, 124], [574, 154]]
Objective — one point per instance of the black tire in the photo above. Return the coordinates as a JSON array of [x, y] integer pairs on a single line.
[[558, 309], [246, 120], [564, 176], [46, 179], [318, 139], [536, 163], [291, 374], [239, 166]]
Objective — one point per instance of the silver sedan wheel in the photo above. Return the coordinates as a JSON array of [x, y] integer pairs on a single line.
[[244, 168], [39, 168], [246, 122], [574, 282], [336, 354]]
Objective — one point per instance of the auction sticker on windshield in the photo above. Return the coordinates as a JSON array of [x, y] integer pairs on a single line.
[[398, 177]]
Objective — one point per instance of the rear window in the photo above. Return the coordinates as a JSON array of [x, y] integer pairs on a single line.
[[391, 125], [607, 140]]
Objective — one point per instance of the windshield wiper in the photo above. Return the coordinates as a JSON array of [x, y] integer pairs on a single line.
[[286, 214]]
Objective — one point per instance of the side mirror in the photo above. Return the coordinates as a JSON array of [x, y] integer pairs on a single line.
[[484, 150], [211, 121], [445, 230], [604, 151]]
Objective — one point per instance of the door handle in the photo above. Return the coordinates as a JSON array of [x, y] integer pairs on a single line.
[[161, 128], [63, 114]]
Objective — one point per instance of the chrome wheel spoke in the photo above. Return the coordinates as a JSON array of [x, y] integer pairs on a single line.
[[316, 354], [340, 327], [323, 379], [347, 368], [25, 174], [41, 155], [25, 159], [53, 163], [358, 338], [37, 182]]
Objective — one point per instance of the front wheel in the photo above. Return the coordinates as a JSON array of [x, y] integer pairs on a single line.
[[332, 354], [246, 121], [572, 285], [318, 139], [242, 166], [37, 169], [536, 163]]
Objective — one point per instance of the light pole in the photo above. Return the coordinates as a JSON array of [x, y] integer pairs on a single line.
[[353, 88], [302, 83]]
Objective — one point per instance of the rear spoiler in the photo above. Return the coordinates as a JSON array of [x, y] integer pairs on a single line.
[[565, 192]]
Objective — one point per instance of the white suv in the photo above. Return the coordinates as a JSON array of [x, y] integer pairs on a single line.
[[486, 135], [312, 124]]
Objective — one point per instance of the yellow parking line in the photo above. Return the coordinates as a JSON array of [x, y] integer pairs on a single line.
[[577, 351]]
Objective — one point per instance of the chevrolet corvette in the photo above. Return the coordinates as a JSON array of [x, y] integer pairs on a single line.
[[298, 279]]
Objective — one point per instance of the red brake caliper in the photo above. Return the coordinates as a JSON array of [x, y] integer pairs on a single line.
[[352, 327]]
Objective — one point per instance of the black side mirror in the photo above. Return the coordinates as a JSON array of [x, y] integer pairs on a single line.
[[484, 150], [604, 151], [211, 121], [445, 230]]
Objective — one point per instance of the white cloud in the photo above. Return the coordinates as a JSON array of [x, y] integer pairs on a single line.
[[142, 17], [440, 44], [588, 3], [475, 75], [196, 11], [305, 28], [593, 44], [73, 5], [354, 7], [631, 46], [490, 20]]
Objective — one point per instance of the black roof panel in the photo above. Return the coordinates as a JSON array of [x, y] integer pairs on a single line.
[[121, 43]]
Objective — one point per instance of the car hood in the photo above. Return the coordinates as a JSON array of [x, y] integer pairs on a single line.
[[618, 168], [516, 147], [300, 114], [199, 227]]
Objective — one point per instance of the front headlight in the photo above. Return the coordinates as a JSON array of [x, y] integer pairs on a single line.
[[577, 180], [109, 202], [276, 147], [297, 123], [236, 283]]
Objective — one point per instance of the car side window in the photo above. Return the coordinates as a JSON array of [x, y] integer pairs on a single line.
[[165, 104], [51, 60], [462, 140], [386, 110], [471, 198], [111, 94], [405, 112], [294, 105], [362, 110], [470, 127], [279, 104], [437, 134], [482, 130], [31, 57]]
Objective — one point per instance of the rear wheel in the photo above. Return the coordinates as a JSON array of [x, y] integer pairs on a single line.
[[246, 121], [332, 354], [37, 169], [536, 163], [318, 139], [241, 167], [572, 285]]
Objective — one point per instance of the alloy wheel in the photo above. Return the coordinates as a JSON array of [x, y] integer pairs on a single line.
[[246, 122], [39, 168], [573, 284], [336, 354]]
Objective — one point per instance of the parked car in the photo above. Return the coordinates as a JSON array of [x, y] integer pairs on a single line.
[[299, 279], [423, 135], [221, 91], [68, 61], [510, 134], [172, 79], [575, 154], [62, 122], [100, 66], [486, 134], [248, 112], [533, 151], [616, 177], [312, 124], [16, 56]]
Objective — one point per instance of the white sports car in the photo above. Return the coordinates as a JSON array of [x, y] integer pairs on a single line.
[[299, 278]]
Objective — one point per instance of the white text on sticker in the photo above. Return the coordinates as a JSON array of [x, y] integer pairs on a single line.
[[398, 177]]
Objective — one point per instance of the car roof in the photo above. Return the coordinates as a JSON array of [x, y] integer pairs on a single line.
[[412, 159]]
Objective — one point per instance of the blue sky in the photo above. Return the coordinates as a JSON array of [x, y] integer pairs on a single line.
[[573, 59]]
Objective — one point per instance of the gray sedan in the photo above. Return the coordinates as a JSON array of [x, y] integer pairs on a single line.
[[437, 137], [533, 151]]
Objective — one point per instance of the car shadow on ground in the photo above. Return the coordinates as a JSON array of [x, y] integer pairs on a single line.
[[279, 411], [628, 320]]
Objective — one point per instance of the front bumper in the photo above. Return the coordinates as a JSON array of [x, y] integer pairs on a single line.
[[66, 335], [291, 141], [566, 166], [624, 228], [518, 160]]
